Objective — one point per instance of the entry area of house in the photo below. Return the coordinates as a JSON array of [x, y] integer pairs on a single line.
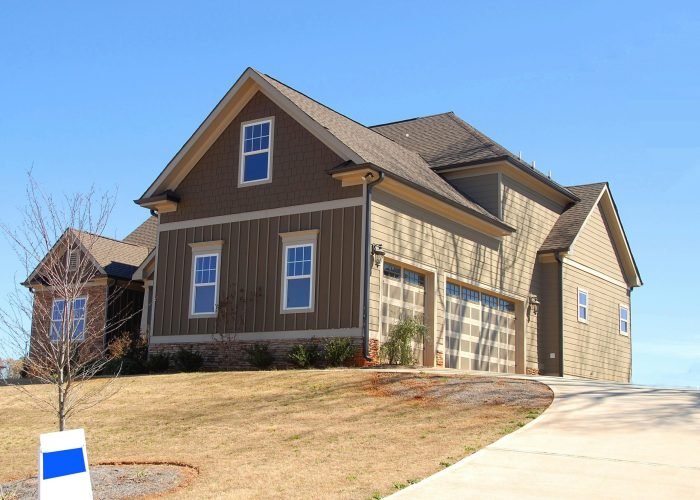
[[479, 330], [403, 295]]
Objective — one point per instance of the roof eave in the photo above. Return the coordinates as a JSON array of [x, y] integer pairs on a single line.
[[502, 227]]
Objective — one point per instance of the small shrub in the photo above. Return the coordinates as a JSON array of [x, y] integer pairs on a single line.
[[158, 363], [187, 361], [398, 350], [128, 355], [304, 356], [259, 356], [337, 351]]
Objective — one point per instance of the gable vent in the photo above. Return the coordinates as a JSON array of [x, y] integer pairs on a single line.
[[73, 260]]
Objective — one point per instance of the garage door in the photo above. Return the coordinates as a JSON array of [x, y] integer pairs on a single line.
[[479, 331], [403, 295]]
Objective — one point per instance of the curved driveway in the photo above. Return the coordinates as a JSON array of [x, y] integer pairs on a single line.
[[596, 440]]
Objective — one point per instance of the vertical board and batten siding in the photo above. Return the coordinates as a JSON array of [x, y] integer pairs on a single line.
[[415, 235], [595, 349], [300, 164], [533, 216], [250, 279], [594, 247], [483, 189]]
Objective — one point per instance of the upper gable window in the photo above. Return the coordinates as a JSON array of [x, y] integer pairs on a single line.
[[256, 152], [582, 305]]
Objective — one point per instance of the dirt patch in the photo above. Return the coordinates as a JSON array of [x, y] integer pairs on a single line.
[[462, 391], [117, 481]]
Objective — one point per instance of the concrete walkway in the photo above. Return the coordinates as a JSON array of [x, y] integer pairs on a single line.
[[597, 440]]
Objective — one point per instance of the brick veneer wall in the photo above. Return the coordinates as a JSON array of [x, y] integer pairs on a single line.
[[231, 355]]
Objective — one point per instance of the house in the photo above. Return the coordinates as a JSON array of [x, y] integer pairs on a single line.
[[282, 221], [88, 277]]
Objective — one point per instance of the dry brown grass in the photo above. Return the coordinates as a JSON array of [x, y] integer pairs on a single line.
[[292, 434]]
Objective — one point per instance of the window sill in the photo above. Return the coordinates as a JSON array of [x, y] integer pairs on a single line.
[[297, 311], [202, 315], [254, 183]]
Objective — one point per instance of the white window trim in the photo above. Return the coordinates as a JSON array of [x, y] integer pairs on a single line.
[[53, 303], [205, 249], [626, 308], [243, 154], [293, 240], [579, 291]]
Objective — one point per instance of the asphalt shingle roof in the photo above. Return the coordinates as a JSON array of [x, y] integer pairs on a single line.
[[117, 258], [445, 139], [442, 139], [571, 221], [378, 149], [144, 235]]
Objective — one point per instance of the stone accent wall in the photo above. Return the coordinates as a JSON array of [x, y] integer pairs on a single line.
[[231, 355]]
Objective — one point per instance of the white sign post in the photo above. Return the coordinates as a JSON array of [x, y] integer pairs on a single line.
[[63, 466]]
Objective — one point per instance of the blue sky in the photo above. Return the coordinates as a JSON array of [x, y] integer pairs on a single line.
[[106, 93]]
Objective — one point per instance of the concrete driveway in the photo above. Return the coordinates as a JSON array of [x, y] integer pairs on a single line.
[[597, 440]]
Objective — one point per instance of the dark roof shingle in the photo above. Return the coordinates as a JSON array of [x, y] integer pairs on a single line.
[[118, 259], [445, 139], [145, 234], [379, 150], [571, 221]]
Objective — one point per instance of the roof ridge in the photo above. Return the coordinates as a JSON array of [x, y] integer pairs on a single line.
[[382, 137], [410, 119], [107, 238], [588, 184]]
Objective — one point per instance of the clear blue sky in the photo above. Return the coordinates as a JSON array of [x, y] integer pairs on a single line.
[[106, 94]]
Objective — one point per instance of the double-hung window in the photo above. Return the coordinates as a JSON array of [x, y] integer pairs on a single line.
[[206, 257], [582, 305], [256, 152], [298, 269], [68, 319], [624, 320]]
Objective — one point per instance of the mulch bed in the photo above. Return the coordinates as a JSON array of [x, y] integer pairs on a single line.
[[463, 391], [117, 481]]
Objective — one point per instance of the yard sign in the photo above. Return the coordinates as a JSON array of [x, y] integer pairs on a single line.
[[63, 466]]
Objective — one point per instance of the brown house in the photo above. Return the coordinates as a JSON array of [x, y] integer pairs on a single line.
[[281, 220], [104, 302]]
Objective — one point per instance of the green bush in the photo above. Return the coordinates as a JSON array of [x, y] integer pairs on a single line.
[[398, 350], [304, 356], [259, 356], [337, 351], [158, 363], [187, 361]]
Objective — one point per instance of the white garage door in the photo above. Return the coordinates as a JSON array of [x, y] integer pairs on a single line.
[[403, 295], [479, 331]]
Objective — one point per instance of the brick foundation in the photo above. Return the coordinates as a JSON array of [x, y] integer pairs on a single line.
[[232, 356]]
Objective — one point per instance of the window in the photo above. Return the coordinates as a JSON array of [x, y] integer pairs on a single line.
[[582, 306], [489, 301], [471, 295], [298, 277], [624, 320], [204, 296], [256, 152], [392, 271], [413, 278], [75, 312], [453, 290]]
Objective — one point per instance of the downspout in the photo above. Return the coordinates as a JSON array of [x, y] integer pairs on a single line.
[[557, 256], [367, 263]]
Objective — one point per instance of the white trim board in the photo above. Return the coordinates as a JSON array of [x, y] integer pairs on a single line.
[[262, 214], [595, 273], [255, 336]]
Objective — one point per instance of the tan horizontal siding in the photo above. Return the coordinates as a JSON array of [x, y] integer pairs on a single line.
[[548, 318], [415, 235], [483, 189], [250, 279], [594, 248], [595, 349]]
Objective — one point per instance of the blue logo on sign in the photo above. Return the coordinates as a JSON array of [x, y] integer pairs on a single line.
[[63, 463]]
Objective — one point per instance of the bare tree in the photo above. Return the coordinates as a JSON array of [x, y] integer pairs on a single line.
[[55, 320]]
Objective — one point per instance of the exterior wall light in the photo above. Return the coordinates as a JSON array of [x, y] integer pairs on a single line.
[[377, 254]]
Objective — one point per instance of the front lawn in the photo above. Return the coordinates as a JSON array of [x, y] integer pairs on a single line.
[[291, 434]]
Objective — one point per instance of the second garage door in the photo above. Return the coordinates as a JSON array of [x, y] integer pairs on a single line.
[[479, 331]]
